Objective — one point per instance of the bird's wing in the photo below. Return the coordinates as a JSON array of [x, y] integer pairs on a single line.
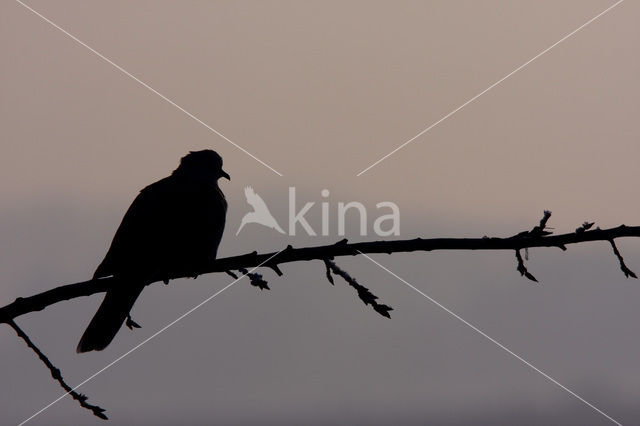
[[171, 226], [139, 237], [255, 200]]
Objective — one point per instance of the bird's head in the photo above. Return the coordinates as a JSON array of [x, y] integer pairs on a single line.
[[202, 165]]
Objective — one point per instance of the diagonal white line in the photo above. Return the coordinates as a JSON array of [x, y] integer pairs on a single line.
[[190, 311], [491, 87], [492, 340], [128, 74]]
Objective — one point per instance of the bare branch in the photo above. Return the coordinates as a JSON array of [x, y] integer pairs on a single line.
[[55, 373], [537, 237]]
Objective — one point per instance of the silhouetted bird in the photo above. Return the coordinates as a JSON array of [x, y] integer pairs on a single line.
[[173, 225], [260, 213]]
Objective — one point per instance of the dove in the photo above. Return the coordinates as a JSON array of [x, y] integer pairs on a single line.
[[260, 213], [173, 226]]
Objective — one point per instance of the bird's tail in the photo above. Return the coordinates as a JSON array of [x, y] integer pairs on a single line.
[[109, 318]]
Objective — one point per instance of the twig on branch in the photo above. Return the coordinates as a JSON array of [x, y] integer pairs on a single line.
[[523, 269], [55, 373], [584, 227], [539, 230], [627, 272], [364, 294], [255, 279], [537, 237], [328, 271]]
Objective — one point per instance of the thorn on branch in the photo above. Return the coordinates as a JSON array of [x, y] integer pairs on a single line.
[[364, 294], [523, 269], [256, 280], [55, 373], [627, 272], [276, 269]]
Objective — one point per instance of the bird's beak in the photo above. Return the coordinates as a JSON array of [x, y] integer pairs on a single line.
[[225, 174]]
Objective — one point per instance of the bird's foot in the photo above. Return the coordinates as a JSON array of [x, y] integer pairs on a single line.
[[131, 323]]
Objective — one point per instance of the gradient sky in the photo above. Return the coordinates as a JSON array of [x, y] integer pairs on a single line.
[[319, 90]]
